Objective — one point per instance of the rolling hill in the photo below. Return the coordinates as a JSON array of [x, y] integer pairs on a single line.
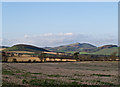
[[85, 48], [72, 47], [106, 51], [3, 47], [24, 47]]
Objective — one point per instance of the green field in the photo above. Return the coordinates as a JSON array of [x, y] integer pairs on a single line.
[[106, 51]]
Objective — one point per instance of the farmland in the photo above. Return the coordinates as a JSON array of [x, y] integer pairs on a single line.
[[27, 57], [60, 73], [69, 43], [33, 68]]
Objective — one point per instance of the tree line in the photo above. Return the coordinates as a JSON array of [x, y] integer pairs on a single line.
[[78, 57]]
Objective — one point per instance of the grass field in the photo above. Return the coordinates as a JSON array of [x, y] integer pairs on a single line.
[[60, 74], [106, 51]]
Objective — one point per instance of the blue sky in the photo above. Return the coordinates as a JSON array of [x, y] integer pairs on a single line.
[[59, 23]]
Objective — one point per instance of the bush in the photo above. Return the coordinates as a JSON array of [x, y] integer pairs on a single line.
[[29, 61], [14, 60], [24, 81], [34, 60]]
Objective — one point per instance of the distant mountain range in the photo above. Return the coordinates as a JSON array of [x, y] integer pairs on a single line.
[[24, 47], [83, 48], [72, 47], [3, 47]]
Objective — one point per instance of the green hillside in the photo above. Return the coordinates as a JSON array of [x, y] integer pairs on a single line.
[[3, 47], [83, 48], [72, 47], [107, 51], [23, 47]]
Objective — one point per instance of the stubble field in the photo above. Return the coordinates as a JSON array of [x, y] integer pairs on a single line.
[[61, 73]]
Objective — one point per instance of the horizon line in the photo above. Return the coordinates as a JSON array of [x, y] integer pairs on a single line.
[[56, 46]]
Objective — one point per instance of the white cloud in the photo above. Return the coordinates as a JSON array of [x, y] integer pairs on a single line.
[[68, 34], [57, 39], [26, 36], [48, 34]]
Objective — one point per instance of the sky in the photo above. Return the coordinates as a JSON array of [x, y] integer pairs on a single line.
[[59, 23]]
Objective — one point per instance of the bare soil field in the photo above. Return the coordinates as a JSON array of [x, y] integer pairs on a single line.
[[67, 74]]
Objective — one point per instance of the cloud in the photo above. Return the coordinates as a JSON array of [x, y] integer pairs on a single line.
[[57, 39], [68, 34], [50, 39]]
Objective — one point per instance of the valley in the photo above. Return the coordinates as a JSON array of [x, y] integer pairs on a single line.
[[30, 66]]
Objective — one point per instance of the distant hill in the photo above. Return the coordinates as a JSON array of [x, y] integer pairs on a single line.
[[85, 48], [106, 51], [24, 47], [72, 47], [3, 47], [100, 48], [108, 46]]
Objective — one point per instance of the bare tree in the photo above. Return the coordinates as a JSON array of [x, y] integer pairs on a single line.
[[4, 57], [113, 55], [42, 57]]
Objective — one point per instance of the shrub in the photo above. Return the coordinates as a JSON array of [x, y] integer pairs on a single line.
[[14, 60], [24, 81], [34, 60], [29, 61]]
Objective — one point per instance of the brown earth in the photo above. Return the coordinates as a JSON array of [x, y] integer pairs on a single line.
[[88, 73]]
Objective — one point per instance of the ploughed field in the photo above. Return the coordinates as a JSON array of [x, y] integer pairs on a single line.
[[60, 73]]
